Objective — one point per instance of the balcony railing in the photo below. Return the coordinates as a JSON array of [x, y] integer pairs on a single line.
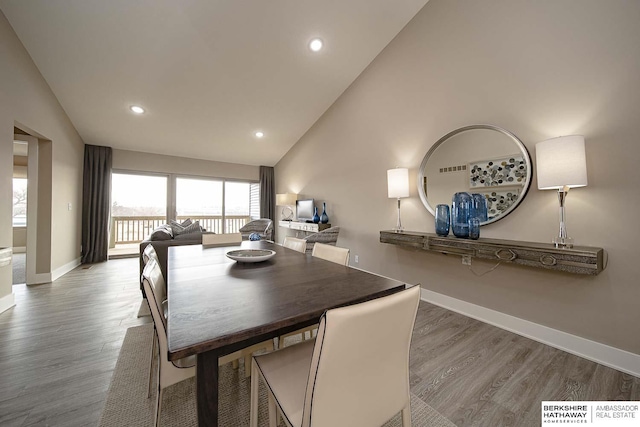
[[134, 229]]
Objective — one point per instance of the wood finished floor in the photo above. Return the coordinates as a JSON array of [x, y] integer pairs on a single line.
[[59, 345]]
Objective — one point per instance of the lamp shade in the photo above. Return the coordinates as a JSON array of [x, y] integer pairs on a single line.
[[561, 162], [286, 199], [398, 182]]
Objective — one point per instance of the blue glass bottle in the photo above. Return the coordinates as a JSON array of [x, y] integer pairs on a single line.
[[324, 218], [442, 220], [316, 217], [461, 205], [479, 207]]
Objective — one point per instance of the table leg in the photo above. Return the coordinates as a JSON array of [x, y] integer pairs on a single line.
[[207, 389]]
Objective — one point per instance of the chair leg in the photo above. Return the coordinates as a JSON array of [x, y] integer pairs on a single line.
[[153, 352], [406, 416], [158, 397], [159, 407], [235, 364], [255, 384], [247, 364], [273, 413]]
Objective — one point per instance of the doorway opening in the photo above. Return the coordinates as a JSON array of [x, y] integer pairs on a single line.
[[19, 215]]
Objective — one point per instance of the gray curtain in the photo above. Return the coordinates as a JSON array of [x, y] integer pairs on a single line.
[[96, 195], [267, 193]]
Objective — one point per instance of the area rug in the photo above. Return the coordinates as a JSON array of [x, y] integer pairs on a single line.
[[19, 262], [127, 403]]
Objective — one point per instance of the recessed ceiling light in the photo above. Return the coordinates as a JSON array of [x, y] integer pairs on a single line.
[[137, 109], [315, 45], [259, 134]]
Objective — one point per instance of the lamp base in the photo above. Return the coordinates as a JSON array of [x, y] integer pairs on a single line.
[[563, 242], [287, 214]]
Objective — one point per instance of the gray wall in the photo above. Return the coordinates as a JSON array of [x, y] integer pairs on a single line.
[[147, 162], [537, 68], [27, 101]]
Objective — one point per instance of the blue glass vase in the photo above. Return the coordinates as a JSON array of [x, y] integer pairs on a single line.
[[316, 217], [474, 228], [461, 205], [479, 207], [442, 220], [324, 218]]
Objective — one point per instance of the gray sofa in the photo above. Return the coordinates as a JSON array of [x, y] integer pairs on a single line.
[[162, 238]]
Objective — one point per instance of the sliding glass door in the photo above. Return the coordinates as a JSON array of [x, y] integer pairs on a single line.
[[138, 205], [221, 206], [201, 200]]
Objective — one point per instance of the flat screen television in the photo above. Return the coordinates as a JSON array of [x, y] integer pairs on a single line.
[[304, 210]]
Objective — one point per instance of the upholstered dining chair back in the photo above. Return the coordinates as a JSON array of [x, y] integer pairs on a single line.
[[331, 253], [157, 285], [149, 252], [328, 236], [169, 372], [294, 243], [229, 239], [359, 373], [355, 373]]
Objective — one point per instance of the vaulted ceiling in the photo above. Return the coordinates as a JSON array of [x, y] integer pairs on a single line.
[[209, 73]]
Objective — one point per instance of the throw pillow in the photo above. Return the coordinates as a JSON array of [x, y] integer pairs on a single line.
[[182, 224], [178, 229], [164, 232], [192, 228]]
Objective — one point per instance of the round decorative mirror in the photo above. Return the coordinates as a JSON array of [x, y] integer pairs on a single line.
[[482, 159]]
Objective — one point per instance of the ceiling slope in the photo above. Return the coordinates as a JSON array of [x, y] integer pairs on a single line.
[[209, 73]]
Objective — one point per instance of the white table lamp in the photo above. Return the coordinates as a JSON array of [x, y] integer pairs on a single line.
[[561, 164], [398, 186]]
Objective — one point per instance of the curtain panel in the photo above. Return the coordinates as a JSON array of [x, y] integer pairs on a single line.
[[96, 197], [267, 193]]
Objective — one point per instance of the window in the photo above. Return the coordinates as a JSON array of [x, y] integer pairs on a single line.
[[19, 202], [138, 205], [201, 200], [217, 210], [241, 204]]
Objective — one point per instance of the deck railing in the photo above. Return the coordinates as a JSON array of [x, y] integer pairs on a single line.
[[134, 229]]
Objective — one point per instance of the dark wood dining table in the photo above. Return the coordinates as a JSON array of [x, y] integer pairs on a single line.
[[218, 306]]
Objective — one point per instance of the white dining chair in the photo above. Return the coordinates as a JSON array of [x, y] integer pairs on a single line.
[[150, 253], [172, 372], [228, 239], [328, 253], [294, 243], [331, 253], [355, 374]]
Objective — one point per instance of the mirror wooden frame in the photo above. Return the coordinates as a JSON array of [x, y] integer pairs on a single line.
[[518, 143]]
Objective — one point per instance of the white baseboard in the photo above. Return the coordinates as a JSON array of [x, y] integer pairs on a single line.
[[38, 278], [19, 249], [612, 357], [61, 271], [6, 302]]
